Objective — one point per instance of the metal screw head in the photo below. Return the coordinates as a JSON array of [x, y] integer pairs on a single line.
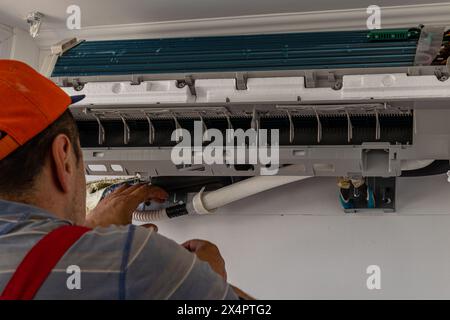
[[337, 85], [78, 87], [181, 84]]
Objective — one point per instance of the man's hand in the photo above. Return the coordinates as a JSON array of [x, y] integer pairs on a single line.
[[208, 252], [118, 207]]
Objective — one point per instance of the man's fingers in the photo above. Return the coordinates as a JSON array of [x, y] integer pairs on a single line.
[[138, 193], [187, 246], [132, 188], [193, 245], [117, 191], [142, 193], [146, 192], [154, 192], [158, 194], [122, 188]]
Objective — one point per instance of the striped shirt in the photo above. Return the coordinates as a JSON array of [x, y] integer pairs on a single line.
[[118, 262]]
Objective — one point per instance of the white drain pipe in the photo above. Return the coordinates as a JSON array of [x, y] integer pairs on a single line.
[[207, 203]]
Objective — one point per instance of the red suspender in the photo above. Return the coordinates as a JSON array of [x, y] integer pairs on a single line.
[[40, 261]]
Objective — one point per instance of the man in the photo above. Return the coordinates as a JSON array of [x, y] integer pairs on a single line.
[[42, 211]]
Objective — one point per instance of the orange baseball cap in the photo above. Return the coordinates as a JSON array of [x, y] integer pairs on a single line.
[[29, 103]]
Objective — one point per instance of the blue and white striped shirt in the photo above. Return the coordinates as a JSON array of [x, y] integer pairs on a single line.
[[118, 262]]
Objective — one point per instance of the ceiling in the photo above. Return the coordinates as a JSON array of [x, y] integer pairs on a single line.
[[116, 12]]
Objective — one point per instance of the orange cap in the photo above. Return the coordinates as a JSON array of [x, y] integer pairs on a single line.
[[29, 103]]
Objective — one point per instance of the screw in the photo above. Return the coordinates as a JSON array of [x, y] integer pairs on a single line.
[[337, 85], [181, 84], [78, 87]]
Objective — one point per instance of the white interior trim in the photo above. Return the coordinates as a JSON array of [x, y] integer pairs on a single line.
[[281, 89], [24, 48], [5, 32], [392, 17], [6, 35]]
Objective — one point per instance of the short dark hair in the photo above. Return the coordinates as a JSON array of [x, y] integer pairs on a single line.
[[19, 169]]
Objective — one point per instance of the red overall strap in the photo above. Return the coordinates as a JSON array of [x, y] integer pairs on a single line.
[[40, 261]]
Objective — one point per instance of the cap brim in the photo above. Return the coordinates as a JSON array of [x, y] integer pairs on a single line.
[[76, 99]]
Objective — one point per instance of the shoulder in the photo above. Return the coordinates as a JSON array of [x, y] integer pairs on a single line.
[[150, 264], [101, 249]]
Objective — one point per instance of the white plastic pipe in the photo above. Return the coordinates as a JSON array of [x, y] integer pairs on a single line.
[[206, 203], [408, 165]]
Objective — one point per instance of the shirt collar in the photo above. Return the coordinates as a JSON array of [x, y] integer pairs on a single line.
[[18, 208]]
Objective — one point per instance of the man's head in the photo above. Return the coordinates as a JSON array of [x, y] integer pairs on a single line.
[[40, 157]]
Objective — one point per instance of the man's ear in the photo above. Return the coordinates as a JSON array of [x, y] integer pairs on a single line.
[[63, 159]]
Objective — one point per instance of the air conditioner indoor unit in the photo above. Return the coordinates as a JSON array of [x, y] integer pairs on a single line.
[[372, 103]]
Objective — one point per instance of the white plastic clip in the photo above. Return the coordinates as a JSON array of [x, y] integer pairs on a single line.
[[126, 130], [291, 127], [178, 128], [255, 120], [197, 203], [204, 127], [151, 130], [319, 126], [377, 126], [349, 127], [101, 130]]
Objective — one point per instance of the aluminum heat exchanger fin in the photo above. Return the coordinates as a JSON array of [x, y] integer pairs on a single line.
[[314, 50]]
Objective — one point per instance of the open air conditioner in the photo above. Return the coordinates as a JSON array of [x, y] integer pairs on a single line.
[[372, 103]]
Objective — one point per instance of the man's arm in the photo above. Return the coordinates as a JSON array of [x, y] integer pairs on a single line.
[[118, 207], [159, 268]]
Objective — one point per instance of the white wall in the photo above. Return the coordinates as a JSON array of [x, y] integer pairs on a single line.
[[17, 44], [24, 48], [6, 35], [295, 242], [112, 12]]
